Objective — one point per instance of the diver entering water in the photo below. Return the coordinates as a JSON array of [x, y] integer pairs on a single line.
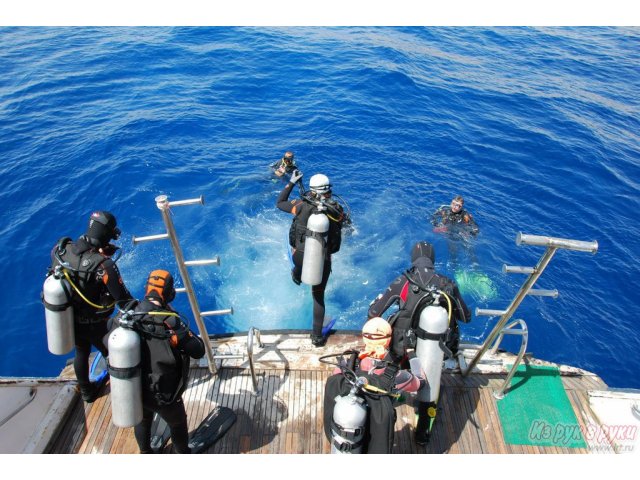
[[166, 347], [459, 227], [87, 269], [286, 165], [425, 300], [315, 234]]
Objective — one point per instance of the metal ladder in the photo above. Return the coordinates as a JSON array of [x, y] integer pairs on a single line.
[[164, 205], [500, 330]]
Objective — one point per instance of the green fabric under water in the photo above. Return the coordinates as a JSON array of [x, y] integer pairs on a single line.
[[476, 285], [537, 411]]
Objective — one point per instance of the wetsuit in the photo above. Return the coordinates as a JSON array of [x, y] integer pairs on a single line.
[[98, 278], [302, 210], [167, 346], [281, 167], [403, 292], [458, 223]]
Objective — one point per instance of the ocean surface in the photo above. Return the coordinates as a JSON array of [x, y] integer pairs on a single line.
[[538, 129]]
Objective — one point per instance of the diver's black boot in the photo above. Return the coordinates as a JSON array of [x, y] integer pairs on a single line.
[[295, 279], [422, 428], [88, 392], [318, 340]]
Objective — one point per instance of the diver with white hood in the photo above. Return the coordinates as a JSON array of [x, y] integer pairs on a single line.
[[315, 234]]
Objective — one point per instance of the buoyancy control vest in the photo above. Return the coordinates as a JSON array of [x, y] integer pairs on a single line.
[[85, 270], [415, 295], [164, 368], [298, 229]]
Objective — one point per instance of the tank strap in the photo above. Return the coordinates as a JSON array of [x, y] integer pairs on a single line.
[[424, 335], [124, 373], [55, 308], [318, 236], [347, 434], [440, 338]]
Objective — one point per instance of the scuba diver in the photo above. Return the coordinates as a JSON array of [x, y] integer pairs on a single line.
[[88, 273], [418, 291], [315, 234], [459, 226], [286, 165], [360, 398], [167, 345]]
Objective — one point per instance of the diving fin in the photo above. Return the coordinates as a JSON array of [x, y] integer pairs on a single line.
[[213, 427], [98, 370], [328, 325], [160, 433]]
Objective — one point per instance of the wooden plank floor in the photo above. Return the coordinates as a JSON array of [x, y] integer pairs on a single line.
[[286, 417]]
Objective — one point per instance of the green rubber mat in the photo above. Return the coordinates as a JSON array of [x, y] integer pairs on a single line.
[[536, 410]]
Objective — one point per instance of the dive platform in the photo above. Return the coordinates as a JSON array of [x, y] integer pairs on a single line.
[[278, 393]]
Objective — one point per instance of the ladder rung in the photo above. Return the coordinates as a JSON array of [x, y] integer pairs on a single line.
[[210, 313], [212, 261], [149, 238], [489, 313], [514, 269], [191, 201], [554, 242], [538, 292], [514, 331]]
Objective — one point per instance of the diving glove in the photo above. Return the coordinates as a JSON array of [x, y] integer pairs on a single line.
[[295, 176]]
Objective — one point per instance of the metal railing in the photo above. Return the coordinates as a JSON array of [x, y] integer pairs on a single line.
[[251, 334], [552, 244], [164, 205], [523, 332]]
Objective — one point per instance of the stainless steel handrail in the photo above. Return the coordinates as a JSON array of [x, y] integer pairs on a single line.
[[552, 244], [509, 330], [253, 331], [164, 205]]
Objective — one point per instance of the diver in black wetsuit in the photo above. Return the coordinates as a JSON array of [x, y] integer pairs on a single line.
[[167, 344], [286, 165], [100, 288], [403, 292], [411, 292], [459, 226], [302, 209]]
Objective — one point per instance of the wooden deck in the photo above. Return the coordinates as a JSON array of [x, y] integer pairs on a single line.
[[286, 416]]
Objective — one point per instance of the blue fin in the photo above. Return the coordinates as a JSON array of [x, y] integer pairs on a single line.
[[326, 328], [98, 370]]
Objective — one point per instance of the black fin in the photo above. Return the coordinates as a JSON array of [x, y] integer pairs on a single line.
[[213, 427]]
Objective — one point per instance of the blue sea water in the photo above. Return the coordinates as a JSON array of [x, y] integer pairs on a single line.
[[536, 127]]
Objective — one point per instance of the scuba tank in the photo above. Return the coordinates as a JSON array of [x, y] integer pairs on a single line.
[[349, 421], [124, 370], [56, 296], [314, 248], [433, 325]]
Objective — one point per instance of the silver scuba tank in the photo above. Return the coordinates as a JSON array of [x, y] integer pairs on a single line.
[[56, 293], [124, 370], [435, 321], [349, 421], [314, 249]]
